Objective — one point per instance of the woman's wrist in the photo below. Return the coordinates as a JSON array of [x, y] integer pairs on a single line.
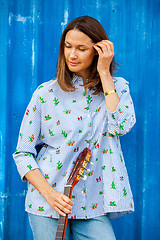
[[107, 82]]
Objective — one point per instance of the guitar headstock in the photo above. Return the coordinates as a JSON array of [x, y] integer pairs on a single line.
[[79, 167]]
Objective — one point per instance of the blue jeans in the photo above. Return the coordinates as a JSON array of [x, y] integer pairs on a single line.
[[98, 228]]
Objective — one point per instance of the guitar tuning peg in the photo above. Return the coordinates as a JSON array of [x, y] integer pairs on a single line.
[[84, 177], [89, 162]]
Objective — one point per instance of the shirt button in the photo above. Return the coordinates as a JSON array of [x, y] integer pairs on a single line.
[[89, 134], [88, 115]]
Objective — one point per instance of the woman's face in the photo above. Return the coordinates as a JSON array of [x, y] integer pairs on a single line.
[[79, 52]]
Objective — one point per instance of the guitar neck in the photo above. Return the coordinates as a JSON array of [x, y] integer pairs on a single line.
[[62, 222]]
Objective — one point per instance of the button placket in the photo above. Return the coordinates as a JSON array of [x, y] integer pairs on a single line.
[[88, 101]]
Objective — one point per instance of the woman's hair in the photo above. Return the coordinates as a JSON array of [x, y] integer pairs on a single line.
[[94, 30]]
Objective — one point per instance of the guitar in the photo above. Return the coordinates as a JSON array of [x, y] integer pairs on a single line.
[[76, 174]]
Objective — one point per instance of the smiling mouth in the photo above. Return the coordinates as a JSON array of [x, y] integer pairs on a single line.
[[73, 63]]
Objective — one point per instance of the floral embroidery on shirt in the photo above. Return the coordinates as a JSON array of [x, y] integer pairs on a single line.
[[61, 128]]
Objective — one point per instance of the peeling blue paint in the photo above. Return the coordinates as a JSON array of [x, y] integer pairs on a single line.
[[30, 31]]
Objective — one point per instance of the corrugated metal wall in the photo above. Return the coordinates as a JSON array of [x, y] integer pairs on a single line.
[[30, 31]]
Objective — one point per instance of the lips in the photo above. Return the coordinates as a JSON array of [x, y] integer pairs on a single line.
[[73, 63]]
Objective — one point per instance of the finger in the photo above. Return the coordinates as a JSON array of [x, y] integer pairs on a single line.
[[101, 46], [110, 43], [67, 200], [98, 49], [63, 203], [59, 211], [63, 208], [105, 47]]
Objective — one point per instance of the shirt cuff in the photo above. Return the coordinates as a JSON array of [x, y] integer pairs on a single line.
[[25, 163]]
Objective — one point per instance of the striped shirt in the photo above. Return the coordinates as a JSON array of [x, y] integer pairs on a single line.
[[61, 124]]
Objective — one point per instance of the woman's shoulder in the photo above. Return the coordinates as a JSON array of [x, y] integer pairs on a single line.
[[47, 87]]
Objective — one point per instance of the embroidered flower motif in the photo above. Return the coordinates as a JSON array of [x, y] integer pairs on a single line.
[[58, 122], [56, 102], [47, 118], [64, 174], [46, 176], [40, 87], [34, 108], [29, 166], [83, 208], [90, 173], [98, 179], [113, 169], [59, 165], [51, 133], [27, 112], [76, 149], [89, 99], [121, 178], [64, 134], [70, 143], [112, 203], [79, 118], [58, 150], [98, 109], [94, 205], [31, 138], [42, 100], [41, 209], [124, 192], [104, 150], [113, 185], [110, 151], [67, 111], [50, 90]]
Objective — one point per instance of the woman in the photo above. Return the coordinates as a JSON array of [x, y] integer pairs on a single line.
[[85, 106]]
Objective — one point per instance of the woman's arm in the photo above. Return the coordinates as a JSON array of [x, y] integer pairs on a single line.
[[57, 200], [105, 51], [119, 106]]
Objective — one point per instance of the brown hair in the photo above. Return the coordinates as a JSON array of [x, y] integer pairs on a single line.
[[94, 30]]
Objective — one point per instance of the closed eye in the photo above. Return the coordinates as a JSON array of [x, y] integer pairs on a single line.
[[82, 49], [67, 46]]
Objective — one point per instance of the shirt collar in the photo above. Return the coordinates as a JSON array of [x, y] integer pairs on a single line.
[[76, 79]]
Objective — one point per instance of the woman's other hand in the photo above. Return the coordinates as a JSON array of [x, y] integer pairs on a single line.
[[57, 200], [105, 50]]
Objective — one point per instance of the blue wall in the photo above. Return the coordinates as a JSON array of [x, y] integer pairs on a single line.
[[30, 31]]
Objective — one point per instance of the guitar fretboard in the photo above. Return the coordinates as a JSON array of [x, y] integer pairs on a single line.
[[62, 222]]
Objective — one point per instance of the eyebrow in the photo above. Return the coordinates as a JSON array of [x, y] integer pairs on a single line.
[[78, 45]]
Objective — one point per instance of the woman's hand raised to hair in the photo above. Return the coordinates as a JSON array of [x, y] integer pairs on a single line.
[[105, 50]]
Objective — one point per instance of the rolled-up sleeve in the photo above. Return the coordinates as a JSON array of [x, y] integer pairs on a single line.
[[29, 137], [122, 120]]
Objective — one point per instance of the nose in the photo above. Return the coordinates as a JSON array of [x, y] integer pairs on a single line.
[[73, 53]]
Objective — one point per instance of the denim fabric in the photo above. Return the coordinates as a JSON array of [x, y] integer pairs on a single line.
[[98, 228]]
